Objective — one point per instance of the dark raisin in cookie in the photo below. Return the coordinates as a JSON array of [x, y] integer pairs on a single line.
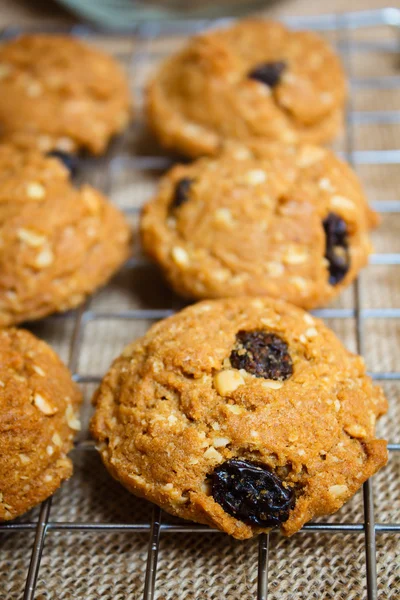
[[252, 493], [262, 354], [255, 80]]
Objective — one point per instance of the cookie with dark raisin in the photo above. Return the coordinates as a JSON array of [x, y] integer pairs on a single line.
[[59, 242], [255, 80], [290, 222], [245, 414]]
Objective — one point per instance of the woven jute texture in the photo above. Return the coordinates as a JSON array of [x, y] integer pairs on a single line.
[[111, 566]]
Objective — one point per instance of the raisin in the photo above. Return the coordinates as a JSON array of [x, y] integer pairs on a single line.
[[252, 493], [262, 354], [69, 160], [336, 248], [181, 194], [269, 73]]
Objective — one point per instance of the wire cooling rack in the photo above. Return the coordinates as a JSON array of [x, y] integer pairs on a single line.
[[37, 558]]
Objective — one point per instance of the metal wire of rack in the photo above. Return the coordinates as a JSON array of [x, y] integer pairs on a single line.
[[143, 36]]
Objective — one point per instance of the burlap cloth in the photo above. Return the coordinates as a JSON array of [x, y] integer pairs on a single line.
[[213, 566]]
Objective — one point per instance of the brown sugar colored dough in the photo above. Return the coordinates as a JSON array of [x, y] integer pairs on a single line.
[[38, 419], [58, 243], [241, 379], [56, 92], [254, 80], [287, 222]]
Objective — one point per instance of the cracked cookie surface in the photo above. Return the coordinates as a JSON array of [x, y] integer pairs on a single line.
[[289, 222], [57, 92], [177, 424], [58, 242], [39, 405], [254, 80]]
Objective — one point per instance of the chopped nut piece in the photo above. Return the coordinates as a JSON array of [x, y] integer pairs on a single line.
[[227, 381], [224, 217], [212, 454], [234, 409], [308, 319], [24, 459], [338, 490], [273, 385], [300, 283], [45, 258], [294, 257], [31, 238], [256, 176], [35, 191], [275, 269], [43, 405], [72, 419], [38, 370], [172, 419], [310, 155], [180, 256], [356, 431], [219, 442], [341, 202], [311, 332], [56, 439], [326, 184]]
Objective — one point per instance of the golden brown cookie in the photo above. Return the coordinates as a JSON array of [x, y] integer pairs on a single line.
[[243, 414], [39, 405], [58, 243], [253, 80], [288, 222], [58, 92]]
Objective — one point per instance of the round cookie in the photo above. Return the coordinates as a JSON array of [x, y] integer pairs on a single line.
[[57, 92], [288, 222], [39, 405], [253, 80], [58, 242], [243, 414]]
